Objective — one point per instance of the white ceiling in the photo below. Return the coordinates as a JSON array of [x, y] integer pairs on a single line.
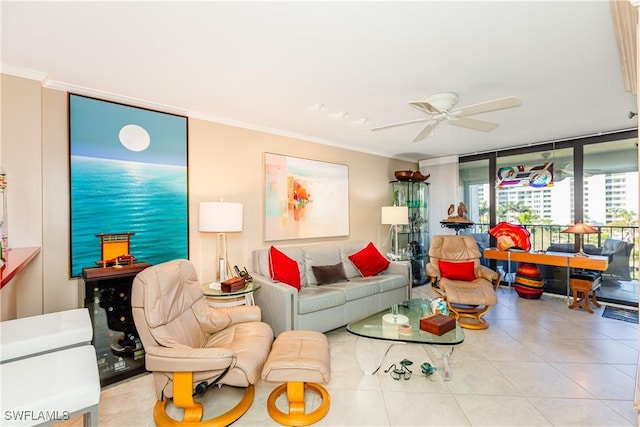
[[266, 65]]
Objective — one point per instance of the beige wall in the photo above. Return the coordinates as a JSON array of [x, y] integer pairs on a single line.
[[21, 158], [224, 162]]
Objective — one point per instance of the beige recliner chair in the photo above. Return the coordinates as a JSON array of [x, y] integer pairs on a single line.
[[457, 275], [190, 346]]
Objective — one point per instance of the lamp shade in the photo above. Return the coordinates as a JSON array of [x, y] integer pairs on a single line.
[[220, 217], [395, 215], [580, 228]]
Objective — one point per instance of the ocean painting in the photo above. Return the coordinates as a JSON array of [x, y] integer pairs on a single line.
[[128, 174], [305, 198]]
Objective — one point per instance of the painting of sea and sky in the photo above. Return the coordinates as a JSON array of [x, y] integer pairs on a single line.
[[128, 174], [305, 198]]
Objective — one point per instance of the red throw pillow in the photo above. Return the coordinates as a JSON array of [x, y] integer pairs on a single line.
[[283, 269], [369, 261], [457, 270]]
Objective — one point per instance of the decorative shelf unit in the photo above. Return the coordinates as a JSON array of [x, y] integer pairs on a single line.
[[119, 351], [413, 239]]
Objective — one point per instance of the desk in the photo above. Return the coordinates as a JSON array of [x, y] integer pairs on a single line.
[[558, 259]]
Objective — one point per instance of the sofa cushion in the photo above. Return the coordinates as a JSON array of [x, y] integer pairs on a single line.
[[457, 270], [319, 255], [357, 288], [283, 269], [325, 274], [389, 282], [315, 298], [369, 261]]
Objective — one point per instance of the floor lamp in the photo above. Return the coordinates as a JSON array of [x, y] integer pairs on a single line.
[[580, 228], [394, 216], [221, 217]]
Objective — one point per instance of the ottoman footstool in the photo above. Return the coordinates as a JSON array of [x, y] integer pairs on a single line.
[[300, 359]]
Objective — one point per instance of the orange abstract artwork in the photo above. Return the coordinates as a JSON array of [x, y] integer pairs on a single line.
[[298, 197]]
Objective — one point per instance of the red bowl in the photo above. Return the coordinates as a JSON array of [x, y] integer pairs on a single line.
[[403, 175], [417, 176]]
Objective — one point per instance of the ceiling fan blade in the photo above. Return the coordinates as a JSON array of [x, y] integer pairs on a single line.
[[485, 107], [475, 124], [426, 107], [408, 122], [428, 129]]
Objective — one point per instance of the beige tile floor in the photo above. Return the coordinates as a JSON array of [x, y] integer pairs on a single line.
[[538, 364]]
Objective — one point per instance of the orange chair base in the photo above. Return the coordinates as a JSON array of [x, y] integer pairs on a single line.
[[182, 398], [462, 313], [295, 396]]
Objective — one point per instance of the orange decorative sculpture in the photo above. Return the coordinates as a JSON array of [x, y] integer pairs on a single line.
[[511, 236]]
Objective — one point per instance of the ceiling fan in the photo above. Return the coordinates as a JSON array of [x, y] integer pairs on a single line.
[[439, 108]]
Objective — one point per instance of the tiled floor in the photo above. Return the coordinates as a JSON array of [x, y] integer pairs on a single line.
[[538, 364]]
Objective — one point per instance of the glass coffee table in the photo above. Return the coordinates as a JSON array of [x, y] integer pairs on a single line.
[[386, 325]]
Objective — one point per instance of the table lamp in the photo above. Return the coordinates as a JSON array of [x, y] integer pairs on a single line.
[[580, 228], [395, 215], [221, 217]]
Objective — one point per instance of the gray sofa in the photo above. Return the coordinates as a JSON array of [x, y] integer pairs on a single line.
[[328, 306]]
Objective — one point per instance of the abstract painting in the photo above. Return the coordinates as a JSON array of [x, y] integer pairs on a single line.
[[128, 174], [305, 198], [537, 176]]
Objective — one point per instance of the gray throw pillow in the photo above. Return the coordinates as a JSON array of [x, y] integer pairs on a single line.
[[326, 274]]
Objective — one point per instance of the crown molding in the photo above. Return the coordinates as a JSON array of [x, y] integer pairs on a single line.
[[26, 73], [439, 161], [113, 97]]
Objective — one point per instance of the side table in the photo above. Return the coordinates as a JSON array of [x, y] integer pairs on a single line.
[[219, 298]]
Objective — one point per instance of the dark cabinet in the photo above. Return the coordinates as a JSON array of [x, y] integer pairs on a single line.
[[108, 297]]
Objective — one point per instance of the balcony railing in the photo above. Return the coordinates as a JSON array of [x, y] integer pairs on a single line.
[[544, 235]]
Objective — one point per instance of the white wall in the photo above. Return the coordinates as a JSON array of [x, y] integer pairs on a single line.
[[22, 161], [443, 190]]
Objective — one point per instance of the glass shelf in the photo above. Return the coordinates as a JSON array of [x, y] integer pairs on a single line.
[[413, 238]]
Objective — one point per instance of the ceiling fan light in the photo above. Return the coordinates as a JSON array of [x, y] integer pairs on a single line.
[[443, 101]]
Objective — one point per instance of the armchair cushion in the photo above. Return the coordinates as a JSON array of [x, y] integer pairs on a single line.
[[283, 269], [489, 274], [457, 270], [184, 358], [369, 261]]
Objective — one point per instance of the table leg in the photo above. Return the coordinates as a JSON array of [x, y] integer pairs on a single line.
[[366, 354], [248, 299], [445, 361], [593, 299], [569, 282]]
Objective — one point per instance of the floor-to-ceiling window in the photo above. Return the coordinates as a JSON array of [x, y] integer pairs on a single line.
[[610, 200], [594, 180]]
